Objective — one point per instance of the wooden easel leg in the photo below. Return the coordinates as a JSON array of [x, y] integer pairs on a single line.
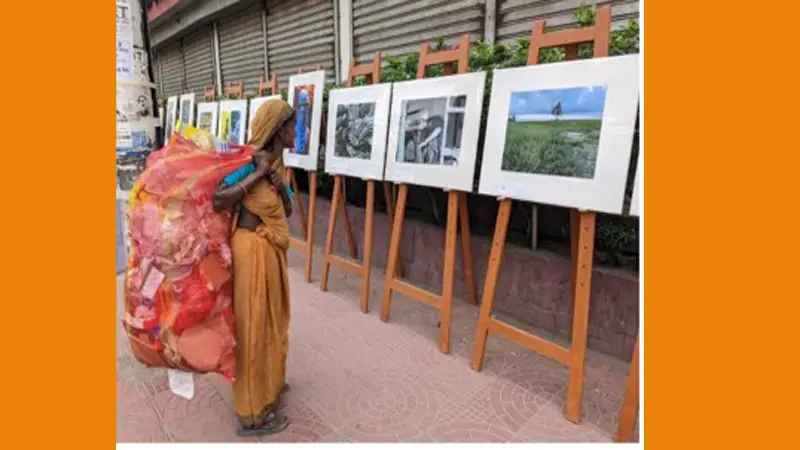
[[351, 242], [490, 285], [298, 202], [368, 225], [574, 230], [326, 264], [580, 323], [446, 305], [630, 401], [466, 248], [390, 208], [394, 252], [312, 203]]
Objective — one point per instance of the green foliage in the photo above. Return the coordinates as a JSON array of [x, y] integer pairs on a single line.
[[543, 148]]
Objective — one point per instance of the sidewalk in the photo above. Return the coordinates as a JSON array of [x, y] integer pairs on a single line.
[[356, 379]]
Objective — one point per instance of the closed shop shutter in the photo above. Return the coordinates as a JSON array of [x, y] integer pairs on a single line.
[[300, 34], [156, 66], [198, 59], [172, 72], [241, 47], [515, 17], [398, 27]]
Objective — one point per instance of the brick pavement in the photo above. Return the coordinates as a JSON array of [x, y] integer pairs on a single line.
[[357, 379]]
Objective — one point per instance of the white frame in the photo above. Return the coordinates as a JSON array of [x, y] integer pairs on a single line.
[[169, 125], [637, 186], [190, 98], [459, 177], [212, 107], [367, 169], [308, 162], [233, 105], [603, 193], [252, 107]]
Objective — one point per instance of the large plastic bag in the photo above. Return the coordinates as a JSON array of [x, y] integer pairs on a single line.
[[178, 293]]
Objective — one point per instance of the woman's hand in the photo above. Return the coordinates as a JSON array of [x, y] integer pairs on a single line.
[[276, 179]]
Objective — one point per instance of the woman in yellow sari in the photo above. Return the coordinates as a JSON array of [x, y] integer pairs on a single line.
[[260, 280]]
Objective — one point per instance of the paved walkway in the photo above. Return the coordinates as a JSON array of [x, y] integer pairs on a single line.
[[356, 379]]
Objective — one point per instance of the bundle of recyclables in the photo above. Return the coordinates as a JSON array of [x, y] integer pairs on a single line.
[[178, 292]]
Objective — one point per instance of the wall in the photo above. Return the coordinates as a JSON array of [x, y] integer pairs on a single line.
[[534, 287]]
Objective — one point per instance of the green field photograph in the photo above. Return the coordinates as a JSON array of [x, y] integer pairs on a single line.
[[554, 131]]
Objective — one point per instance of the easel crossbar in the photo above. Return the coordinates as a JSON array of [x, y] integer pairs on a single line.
[[417, 293], [346, 264], [531, 341]]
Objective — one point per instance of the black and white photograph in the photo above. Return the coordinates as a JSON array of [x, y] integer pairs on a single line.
[[431, 130], [354, 129], [133, 103], [129, 166]]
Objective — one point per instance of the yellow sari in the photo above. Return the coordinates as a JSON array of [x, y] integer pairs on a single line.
[[261, 286]]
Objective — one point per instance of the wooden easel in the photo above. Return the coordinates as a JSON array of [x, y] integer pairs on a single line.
[[234, 90], [630, 402], [306, 223], [271, 85], [456, 212], [582, 224], [209, 93], [372, 73]]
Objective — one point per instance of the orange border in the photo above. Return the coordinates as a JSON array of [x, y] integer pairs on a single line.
[[58, 244]]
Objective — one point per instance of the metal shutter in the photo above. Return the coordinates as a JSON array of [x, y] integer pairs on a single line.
[[400, 26], [241, 47], [198, 59], [157, 74], [515, 17], [300, 34], [172, 72]]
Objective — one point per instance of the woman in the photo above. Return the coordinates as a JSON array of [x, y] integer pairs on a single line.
[[260, 281]]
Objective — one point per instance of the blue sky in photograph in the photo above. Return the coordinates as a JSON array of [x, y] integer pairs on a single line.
[[583, 101]]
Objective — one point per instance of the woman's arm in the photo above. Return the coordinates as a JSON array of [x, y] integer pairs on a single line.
[[225, 196]]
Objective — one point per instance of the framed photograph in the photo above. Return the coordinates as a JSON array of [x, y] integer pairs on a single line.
[[187, 108], [161, 116], [433, 131], [637, 187], [561, 134], [171, 117], [358, 120], [305, 96], [232, 123], [207, 117], [256, 103]]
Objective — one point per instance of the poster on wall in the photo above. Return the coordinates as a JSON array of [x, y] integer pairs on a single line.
[[256, 103], [433, 131], [207, 117], [232, 123], [134, 104], [305, 96], [187, 108], [358, 120], [561, 134]]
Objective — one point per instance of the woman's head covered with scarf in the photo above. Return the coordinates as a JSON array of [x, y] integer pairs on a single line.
[[273, 120]]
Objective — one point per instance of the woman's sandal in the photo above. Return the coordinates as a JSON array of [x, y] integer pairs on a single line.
[[273, 423]]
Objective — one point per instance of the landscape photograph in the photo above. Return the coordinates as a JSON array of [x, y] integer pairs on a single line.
[[554, 131]]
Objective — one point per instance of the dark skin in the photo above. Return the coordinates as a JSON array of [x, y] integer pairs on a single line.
[[263, 158]]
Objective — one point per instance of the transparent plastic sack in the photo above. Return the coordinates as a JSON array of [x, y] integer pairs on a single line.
[[178, 293]]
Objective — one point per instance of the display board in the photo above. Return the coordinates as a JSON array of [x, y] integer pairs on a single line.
[[136, 115], [305, 96], [256, 103], [207, 117], [187, 108], [561, 133], [636, 198], [433, 131], [357, 127], [232, 121], [171, 116]]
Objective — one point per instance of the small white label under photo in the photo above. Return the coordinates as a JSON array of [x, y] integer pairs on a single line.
[[404, 176], [181, 383]]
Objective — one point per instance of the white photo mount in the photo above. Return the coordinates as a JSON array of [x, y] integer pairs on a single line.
[[309, 161], [367, 169], [637, 187], [208, 108], [605, 191], [184, 100], [226, 106], [171, 117], [256, 103], [457, 177]]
